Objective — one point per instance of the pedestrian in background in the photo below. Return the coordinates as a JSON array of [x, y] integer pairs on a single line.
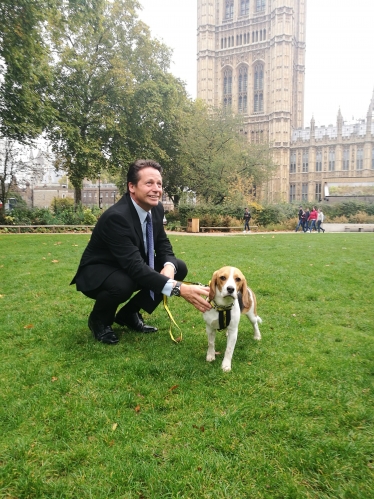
[[320, 219]]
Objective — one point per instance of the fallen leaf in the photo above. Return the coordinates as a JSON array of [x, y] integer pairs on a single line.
[[111, 443], [1, 296], [54, 379], [293, 315], [74, 244], [140, 395], [29, 326], [114, 426], [43, 258], [54, 261], [201, 428], [249, 363], [178, 340], [137, 408], [173, 387]]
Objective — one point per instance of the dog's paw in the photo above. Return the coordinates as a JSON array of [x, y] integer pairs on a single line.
[[226, 367], [257, 337], [210, 357]]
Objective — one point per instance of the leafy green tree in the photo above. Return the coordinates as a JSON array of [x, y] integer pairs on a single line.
[[110, 86], [24, 68], [217, 156]]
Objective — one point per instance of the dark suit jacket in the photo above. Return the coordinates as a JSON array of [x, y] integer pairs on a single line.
[[117, 243]]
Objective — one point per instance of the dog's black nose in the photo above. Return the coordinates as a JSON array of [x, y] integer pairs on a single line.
[[230, 290]]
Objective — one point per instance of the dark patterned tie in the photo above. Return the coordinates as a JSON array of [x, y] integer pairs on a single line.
[[150, 246]]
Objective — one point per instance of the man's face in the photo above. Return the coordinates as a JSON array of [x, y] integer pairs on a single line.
[[147, 193]]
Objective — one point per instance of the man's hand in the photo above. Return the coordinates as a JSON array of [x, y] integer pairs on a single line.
[[192, 293], [168, 271]]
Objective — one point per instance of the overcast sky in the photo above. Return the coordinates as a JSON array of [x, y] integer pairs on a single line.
[[339, 54]]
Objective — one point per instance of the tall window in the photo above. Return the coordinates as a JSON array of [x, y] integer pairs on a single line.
[[331, 160], [244, 7], [260, 5], [259, 88], [242, 89], [319, 160], [229, 12], [305, 161], [227, 88], [318, 192], [293, 162], [304, 192], [360, 159], [346, 159], [292, 192]]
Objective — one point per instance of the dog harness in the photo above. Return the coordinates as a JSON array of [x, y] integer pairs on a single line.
[[224, 314]]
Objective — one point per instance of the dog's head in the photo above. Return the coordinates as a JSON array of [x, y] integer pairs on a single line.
[[225, 285]]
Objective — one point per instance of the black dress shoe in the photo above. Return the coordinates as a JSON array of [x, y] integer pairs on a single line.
[[135, 321], [102, 333]]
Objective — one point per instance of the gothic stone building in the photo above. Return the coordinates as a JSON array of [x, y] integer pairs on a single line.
[[251, 57]]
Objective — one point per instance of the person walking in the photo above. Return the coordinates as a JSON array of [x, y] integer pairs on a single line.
[[129, 251], [300, 222], [320, 219], [246, 217], [312, 219]]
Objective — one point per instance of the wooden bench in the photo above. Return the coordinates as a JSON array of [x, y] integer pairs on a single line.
[[354, 228], [208, 229]]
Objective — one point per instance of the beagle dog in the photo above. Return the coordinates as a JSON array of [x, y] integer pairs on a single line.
[[229, 296]]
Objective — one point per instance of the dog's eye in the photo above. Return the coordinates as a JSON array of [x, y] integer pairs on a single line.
[[223, 278], [237, 279]]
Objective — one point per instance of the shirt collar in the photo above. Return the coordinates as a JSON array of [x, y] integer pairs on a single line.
[[142, 213]]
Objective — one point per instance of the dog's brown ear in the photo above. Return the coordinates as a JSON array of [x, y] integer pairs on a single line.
[[212, 284], [245, 294]]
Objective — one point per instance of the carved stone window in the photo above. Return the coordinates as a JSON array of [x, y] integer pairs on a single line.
[[292, 192], [360, 159], [319, 160], [304, 191], [305, 161], [346, 159], [227, 88], [229, 9], [244, 7], [332, 160], [243, 90], [293, 162], [260, 5], [318, 192], [258, 98]]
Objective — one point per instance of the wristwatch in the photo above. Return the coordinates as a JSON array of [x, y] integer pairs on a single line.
[[176, 291]]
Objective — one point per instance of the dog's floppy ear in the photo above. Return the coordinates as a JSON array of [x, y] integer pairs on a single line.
[[245, 293], [213, 283]]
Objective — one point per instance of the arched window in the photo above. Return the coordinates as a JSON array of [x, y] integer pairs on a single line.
[[346, 159], [360, 159], [260, 5], [227, 87], [259, 88], [243, 90], [305, 161], [318, 160], [229, 11], [332, 160], [244, 7]]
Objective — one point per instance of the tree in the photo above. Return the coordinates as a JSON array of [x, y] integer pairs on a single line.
[[216, 154], [110, 84], [24, 68], [15, 169]]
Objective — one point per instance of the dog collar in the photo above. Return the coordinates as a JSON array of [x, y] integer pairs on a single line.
[[224, 314]]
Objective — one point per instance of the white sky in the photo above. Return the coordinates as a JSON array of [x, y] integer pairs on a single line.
[[339, 52]]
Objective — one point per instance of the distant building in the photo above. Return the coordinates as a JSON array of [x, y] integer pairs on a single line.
[[251, 59]]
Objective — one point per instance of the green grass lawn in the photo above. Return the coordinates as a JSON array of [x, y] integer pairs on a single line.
[[149, 419]]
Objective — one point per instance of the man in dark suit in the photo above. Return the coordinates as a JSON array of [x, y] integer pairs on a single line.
[[116, 261]]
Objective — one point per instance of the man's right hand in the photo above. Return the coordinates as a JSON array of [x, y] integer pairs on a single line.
[[192, 293]]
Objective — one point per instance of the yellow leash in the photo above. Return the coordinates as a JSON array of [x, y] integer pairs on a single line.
[[165, 301]]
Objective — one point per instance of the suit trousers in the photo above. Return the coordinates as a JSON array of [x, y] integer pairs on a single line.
[[117, 288]]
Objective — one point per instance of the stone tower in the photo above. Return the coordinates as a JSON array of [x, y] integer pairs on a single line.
[[251, 57]]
